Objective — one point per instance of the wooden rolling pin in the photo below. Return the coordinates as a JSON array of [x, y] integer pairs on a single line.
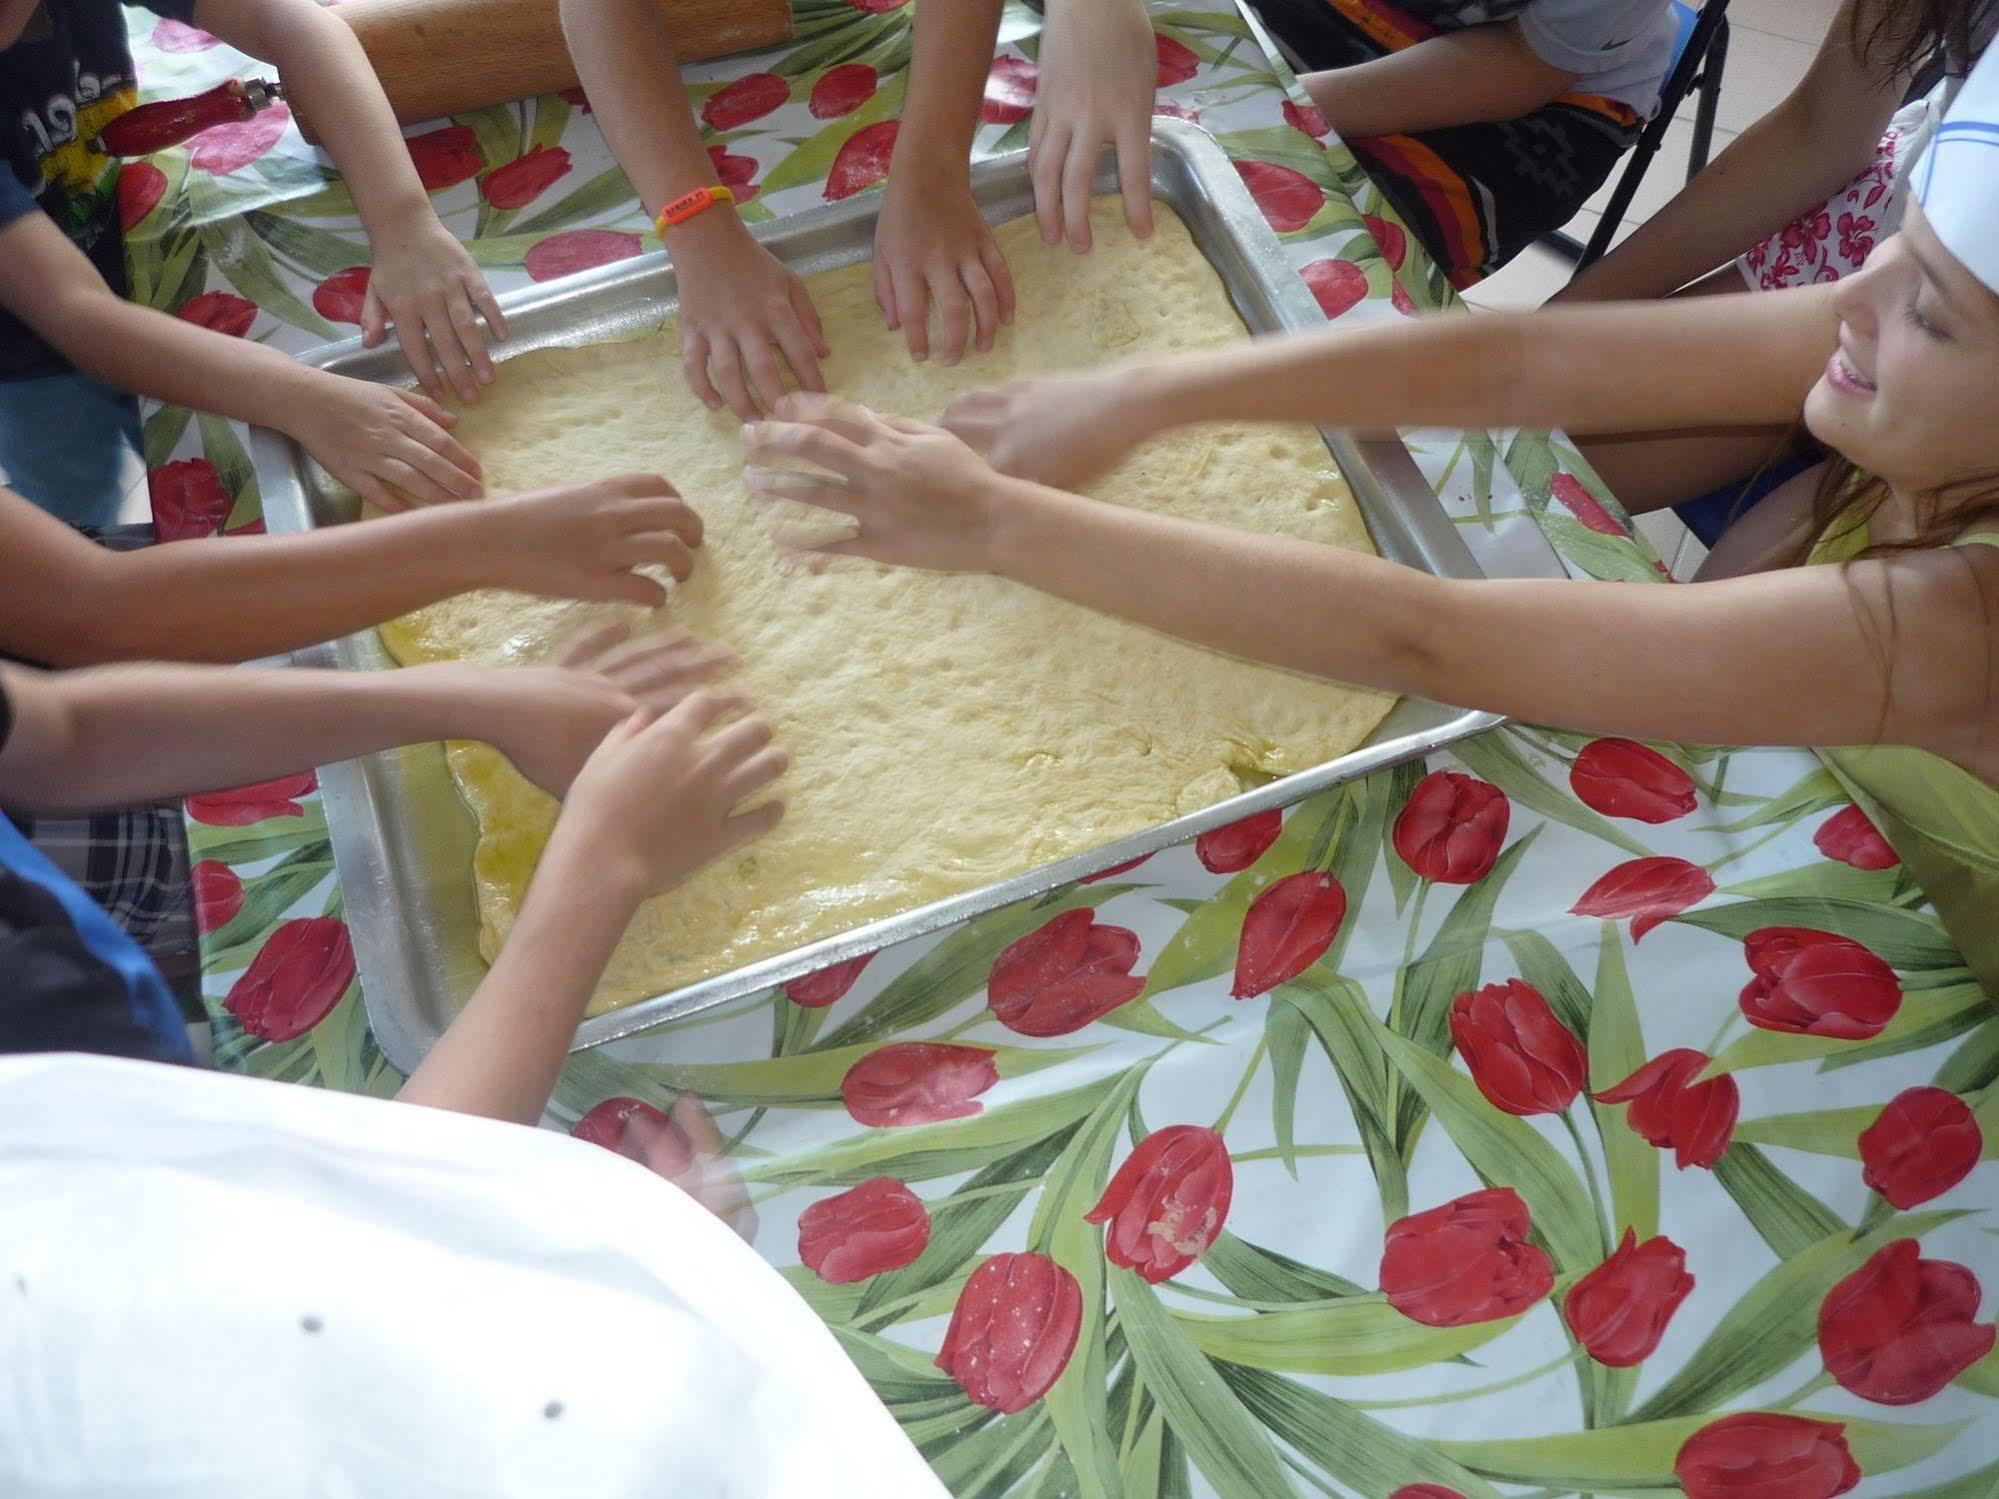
[[443, 57]]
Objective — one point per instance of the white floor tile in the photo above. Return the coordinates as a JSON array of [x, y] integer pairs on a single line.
[[1526, 281], [1800, 20], [1761, 69], [1666, 175]]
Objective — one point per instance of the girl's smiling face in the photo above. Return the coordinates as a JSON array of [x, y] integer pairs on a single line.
[[1912, 394]]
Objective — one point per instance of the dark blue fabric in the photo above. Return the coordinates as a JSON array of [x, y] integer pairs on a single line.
[[69, 76], [70, 980], [1712, 514]]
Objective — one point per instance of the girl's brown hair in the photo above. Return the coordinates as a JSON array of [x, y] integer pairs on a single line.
[[1898, 36]]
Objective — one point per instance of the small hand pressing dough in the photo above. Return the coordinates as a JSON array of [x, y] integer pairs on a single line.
[[945, 732]]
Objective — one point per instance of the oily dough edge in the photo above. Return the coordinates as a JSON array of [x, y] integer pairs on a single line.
[[945, 732]]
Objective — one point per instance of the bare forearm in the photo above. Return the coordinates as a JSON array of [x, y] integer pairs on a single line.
[[1626, 368], [331, 81], [624, 55], [947, 74], [503, 1053], [119, 735], [239, 598], [1478, 74]]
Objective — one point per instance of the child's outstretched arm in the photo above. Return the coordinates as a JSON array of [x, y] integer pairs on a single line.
[[1799, 656], [741, 310], [73, 603], [1099, 73], [1787, 163], [655, 802], [931, 244], [1628, 367], [116, 736], [423, 281], [1466, 77], [388, 445]]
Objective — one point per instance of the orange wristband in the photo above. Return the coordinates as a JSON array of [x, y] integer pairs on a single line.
[[687, 205]]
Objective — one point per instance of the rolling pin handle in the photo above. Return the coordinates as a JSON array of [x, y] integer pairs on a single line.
[[154, 127]]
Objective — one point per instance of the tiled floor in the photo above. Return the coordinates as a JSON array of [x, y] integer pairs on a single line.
[[1771, 43]]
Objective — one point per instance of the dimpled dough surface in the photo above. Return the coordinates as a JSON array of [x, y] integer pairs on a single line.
[[945, 732]]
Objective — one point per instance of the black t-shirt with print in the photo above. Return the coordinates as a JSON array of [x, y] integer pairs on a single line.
[[69, 75]]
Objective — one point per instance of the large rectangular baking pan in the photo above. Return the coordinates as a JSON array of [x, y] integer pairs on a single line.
[[403, 839]]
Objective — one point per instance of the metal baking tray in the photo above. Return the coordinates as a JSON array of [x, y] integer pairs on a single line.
[[403, 839]]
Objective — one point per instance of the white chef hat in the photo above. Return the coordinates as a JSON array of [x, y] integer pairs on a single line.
[[1957, 180]]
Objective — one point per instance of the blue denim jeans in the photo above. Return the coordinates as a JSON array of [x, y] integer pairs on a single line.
[[71, 444]]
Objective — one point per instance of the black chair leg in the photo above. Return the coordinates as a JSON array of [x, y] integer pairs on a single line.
[[1708, 94]]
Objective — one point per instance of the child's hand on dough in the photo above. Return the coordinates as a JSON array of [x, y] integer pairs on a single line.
[[740, 310], [552, 721], [932, 246], [583, 541], [1099, 72], [392, 447], [1059, 430], [658, 798], [428, 286], [922, 498]]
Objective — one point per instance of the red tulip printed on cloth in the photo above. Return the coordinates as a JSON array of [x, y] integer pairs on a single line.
[[917, 1082], [1619, 1310], [218, 895], [1286, 930], [1522, 1058], [1012, 1331], [223, 311], [1648, 891], [188, 499], [1338, 285], [1814, 983], [141, 185], [842, 90], [748, 98], [525, 178], [1167, 1202], [1010, 89], [1765, 1455], [247, 804], [1289, 199], [444, 158], [1693, 1120], [862, 161], [1467, 1261], [341, 297], [296, 979], [1452, 828], [1063, 975], [1922, 1144], [1228, 850], [1851, 837], [1623, 778], [1425, 1491], [1901, 1327], [877, 1226], [829, 985]]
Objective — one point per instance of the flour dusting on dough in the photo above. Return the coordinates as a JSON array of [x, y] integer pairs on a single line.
[[945, 732]]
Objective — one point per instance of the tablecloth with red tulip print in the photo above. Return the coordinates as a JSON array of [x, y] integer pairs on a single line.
[[1555, 1116]]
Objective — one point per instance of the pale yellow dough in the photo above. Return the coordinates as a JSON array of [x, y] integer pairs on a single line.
[[944, 731]]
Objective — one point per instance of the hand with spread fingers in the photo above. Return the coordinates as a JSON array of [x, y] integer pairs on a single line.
[[1099, 73], [584, 541], [922, 498], [555, 719], [1060, 430], [426, 286], [933, 247], [392, 447], [659, 797], [744, 316]]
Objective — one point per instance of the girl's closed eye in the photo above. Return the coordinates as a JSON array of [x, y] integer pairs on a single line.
[[1912, 311]]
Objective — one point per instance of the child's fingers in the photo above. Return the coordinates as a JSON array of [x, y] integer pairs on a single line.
[[483, 298], [425, 407], [628, 588], [693, 714], [662, 512], [764, 374], [800, 353], [755, 773], [659, 549], [694, 365], [666, 679], [1078, 173], [738, 742], [912, 304], [815, 444], [808, 317], [850, 420], [745, 826], [416, 354], [799, 489], [994, 261], [1134, 172], [374, 320], [587, 647], [1044, 169], [954, 314], [885, 296], [378, 494], [985, 300], [438, 463], [452, 359], [725, 367], [465, 327]]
